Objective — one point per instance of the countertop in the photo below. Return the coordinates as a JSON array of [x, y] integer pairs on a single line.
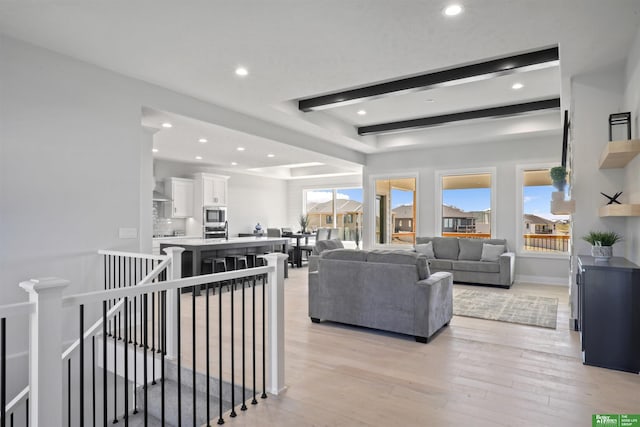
[[174, 237], [231, 241]]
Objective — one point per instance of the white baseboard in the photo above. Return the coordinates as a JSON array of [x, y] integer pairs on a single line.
[[543, 280]]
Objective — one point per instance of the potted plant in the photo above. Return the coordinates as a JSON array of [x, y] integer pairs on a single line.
[[303, 220], [558, 175], [602, 243]]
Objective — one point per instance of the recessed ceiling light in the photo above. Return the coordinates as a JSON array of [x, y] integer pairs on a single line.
[[429, 100], [198, 157], [362, 112], [453, 10], [517, 86], [271, 155], [240, 148], [167, 125], [202, 140], [241, 71], [155, 150], [234, 164]]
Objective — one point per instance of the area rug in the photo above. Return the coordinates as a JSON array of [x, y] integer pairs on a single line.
[[506, 307]]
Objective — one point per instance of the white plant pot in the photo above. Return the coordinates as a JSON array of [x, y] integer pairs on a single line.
[[602, 253]]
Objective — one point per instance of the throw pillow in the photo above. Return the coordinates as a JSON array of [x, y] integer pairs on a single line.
[[491, 252], [426, 249]]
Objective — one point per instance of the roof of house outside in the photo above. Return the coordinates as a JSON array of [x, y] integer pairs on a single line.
[[453, 212], [535, 219], [342, 206], [403, 211]]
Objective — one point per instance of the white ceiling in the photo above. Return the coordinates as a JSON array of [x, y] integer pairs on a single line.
[[303, 48]]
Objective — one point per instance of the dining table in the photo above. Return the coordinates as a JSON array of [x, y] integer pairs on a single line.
[[297, 249]]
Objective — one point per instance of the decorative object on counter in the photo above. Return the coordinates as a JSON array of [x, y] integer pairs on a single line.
[[613, 199], [226, 230], [303, 220], [258, 229], [602, 243], [558, 175], [619, 119]]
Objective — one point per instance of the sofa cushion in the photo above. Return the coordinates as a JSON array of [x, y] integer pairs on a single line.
[[323, 245], [470, 249], [476, 266], [491, 252], [446, 247], [402, 257], [344, 254], [426, 249], [440, 264]]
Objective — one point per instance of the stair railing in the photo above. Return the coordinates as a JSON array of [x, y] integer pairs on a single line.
[[45, 400]]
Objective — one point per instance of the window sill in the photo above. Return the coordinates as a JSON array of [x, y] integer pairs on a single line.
[[543, 255]]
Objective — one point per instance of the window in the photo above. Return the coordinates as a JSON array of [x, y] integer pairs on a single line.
[[542, 231], [395, 211], [466, 204], [339, 208]]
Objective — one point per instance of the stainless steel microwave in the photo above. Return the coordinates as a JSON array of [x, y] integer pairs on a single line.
[[214, 215]]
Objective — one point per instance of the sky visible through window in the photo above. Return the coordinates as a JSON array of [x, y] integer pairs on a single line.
[[468, 199], [537, 200]]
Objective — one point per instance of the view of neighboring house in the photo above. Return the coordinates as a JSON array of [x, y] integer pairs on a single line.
[[348, 215], [402, 218], [534, 224], [455, 220]]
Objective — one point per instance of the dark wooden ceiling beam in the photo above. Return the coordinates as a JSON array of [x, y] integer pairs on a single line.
[[493, 112], [466, 73]]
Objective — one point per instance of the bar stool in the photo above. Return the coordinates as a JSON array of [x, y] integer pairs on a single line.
[[214, 265]]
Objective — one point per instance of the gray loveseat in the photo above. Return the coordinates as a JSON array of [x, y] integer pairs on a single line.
[[387, 290], [469, 260]]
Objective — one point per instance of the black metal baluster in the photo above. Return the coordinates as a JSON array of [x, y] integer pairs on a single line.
[[115, 369], [104, 362], [233, 371], [126, 363], [193, 349], [121, 274], [93, 379], [179, 356], [145, 338], [244, 386], [27, 414], [164, 346], [253, 310], [206, 324], [81, 379], [220, 419], [153, 338], [3, 371], [264, 346], [69, 392]]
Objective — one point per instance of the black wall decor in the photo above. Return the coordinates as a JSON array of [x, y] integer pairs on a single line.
[[613, 199], [619, 119]]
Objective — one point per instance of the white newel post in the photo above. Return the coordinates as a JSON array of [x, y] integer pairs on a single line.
[[45, 344], [275, 319], [175, 272]]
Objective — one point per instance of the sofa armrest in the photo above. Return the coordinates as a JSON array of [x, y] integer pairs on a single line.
[[507, 268], [314, 286], [312, 263], [433, 306]]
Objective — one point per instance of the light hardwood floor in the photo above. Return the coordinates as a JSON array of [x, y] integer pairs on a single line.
[[473, 373]]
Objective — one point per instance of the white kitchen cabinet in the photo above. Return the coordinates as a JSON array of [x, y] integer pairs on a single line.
[[210, 190], [181, 195]]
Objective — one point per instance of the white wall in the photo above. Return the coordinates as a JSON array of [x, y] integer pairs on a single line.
[[295, 189], [250, 199], [632, 171], [503, 156]]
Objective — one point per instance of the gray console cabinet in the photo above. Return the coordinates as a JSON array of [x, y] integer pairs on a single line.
[[609, 313]]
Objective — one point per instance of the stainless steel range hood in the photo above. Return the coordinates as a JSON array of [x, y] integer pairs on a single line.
[[159, 197]]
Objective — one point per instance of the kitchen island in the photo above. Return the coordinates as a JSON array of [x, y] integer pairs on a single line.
[[197, 249]]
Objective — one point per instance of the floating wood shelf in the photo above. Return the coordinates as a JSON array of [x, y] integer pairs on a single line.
[[563, 207], [617, 154], [620, 210]]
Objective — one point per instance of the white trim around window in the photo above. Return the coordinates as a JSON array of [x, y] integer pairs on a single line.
[[439, 174], [519, 250]]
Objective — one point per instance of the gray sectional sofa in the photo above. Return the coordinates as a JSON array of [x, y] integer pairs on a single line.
[[483, 261], [388, 290]]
